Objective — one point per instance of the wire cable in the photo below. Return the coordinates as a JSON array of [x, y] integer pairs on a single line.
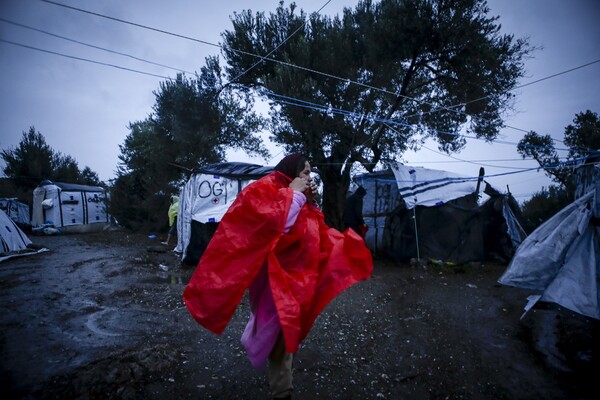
[[83, 59], [297, 102], [319, 108], [278, 46], [366, 86], [92, 46]]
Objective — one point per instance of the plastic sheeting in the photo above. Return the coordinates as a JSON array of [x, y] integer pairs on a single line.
[[417, 212], [12, 238], [428, 187], [17, 211], [562, 260]]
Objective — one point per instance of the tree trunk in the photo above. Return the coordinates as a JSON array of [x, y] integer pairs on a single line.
[[335, 188]]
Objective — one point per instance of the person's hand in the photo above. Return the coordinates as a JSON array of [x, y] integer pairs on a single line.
[[299, 184], [305, 185], [311, 191]]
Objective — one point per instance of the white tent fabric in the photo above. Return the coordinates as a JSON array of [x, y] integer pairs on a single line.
[[205, 198], [429, 187], [13, 241], [17, 211], [13, 238], [514, 229], [70, 207], [415, 186], [562, 260]]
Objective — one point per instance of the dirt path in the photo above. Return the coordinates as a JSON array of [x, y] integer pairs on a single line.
[[101, 317]]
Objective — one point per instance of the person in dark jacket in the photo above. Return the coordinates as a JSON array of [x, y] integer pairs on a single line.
[[353, 217]]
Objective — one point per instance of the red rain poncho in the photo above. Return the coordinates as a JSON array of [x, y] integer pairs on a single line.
[[307, 267]]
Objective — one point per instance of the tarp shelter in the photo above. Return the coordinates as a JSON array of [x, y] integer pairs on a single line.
[[70, 207], [415, 212], [561, 258], [204, 200], [13, 241], [16, 210]]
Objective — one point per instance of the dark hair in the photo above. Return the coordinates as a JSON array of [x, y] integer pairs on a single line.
[[292, 165]]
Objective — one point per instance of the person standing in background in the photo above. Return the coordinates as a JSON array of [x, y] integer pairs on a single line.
[[353, 217], [172, 214]]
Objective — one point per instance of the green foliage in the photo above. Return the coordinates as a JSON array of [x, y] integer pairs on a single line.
[[543, 205], [33, 160], [193, 122], [582, 139], [583, 136], [30, 162], [421, 68]]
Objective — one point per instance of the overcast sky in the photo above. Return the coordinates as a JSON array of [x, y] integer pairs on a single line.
[[83, 109]]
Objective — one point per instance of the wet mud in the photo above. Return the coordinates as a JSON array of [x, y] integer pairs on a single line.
[[100, 316]]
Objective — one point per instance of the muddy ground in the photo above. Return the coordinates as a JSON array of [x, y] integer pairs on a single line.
[[100, 316]]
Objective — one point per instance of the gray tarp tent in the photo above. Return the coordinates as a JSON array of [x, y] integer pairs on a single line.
[[561, 258], [418, 212], [204, 199]]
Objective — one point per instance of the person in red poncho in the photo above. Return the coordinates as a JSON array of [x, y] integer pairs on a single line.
[[274, 242]]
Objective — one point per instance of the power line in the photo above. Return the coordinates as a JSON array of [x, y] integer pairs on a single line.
[[366, 86], [83, 59], [461, 161], [318, 108], [131, 23], [521, 170], [296, 102], [351, 114], [91, 45], [262, 58], [474, 162], [279, 45]]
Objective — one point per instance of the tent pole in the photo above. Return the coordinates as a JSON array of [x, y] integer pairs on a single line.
[[416, 231]]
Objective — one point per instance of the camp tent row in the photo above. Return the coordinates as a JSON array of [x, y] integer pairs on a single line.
[[561, 258], [70, 207], [422, 213], [450, 223]]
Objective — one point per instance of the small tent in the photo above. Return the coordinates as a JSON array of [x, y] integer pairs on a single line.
[[415, 212], [13, 241], [561, 258], [204, 200], [16, 210], [69, 207]]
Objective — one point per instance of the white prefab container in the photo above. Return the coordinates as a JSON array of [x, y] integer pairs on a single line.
[[70, 207]]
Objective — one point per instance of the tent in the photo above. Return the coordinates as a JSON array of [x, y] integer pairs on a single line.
[[205, 198], [13, 241], [415, 212], [16, 210], [69, 207], [561, 258]]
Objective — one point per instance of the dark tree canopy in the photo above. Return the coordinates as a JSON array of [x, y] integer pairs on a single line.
[[194, 121], [384, 76], [582, 139], [543, 205], [33, 160]]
